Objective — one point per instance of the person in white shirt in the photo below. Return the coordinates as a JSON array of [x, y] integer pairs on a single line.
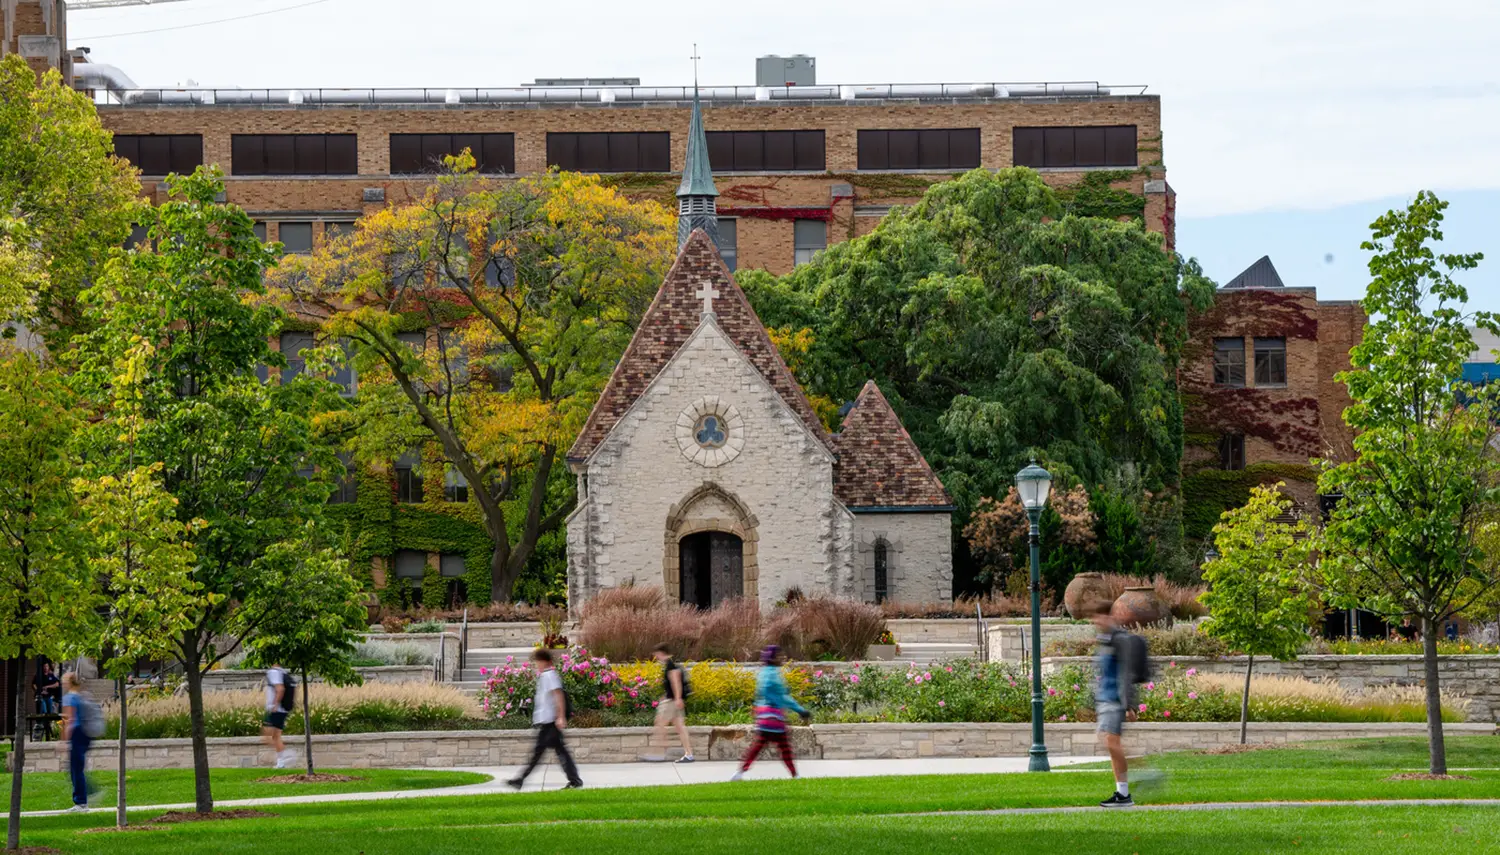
[[277, 706], [549, 715]]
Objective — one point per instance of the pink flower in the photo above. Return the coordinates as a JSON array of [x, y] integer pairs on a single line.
[[633, 693], [1192, 696], [1075, 687], [817, 673], [1051, 691], [1169, 693], [482, 671], [1166, 713], [853, 678], [1150, 686], [1192, 672], [1063, 717], [927, 675], [1171, 664], [949, 669], [942, 703], [1142, 708], [510, 659]]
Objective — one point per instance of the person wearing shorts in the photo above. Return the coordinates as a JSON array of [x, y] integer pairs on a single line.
[[671, 709], [1114, 692], [275, 720]]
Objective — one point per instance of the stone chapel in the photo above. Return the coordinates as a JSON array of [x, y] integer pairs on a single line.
[[704, 469]]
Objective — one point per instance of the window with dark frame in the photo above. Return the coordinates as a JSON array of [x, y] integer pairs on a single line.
[[416, 153], [455, 486], [882, 571], [295, 238], [411, 566], [766, 151], [335, 229], [925, 148], [294, 154], [1074, 147], [1232, 452], [809, 237], [160, 154], [344, 374], [1270, 362], [453, 571], [409, 478], [729, 241], [260, 230], [292, 345], [638, 151], [346, 488], [1229, 362]]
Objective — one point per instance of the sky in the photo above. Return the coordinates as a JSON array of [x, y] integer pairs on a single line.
[[1288, 125]]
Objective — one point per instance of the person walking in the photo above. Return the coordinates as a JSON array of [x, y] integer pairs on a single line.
[[47, 689], [772, 700], [280, 698], [1118, 660], [549, 715], [671, 710], [83, 722]]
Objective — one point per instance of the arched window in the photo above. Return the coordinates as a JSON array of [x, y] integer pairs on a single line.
[[882, 571]]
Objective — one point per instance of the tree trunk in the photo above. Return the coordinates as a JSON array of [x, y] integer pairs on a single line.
[[502, 585], [1437, 752], [120, 772], [306, 724], [203, 795], [1245, 699], [18, 758]]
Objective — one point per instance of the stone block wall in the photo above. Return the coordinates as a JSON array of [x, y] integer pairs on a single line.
[[626, 745], [919, 556], [1011, 642], [1475, 677]]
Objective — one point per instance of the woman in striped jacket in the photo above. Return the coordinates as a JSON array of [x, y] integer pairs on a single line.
[[772, 701]]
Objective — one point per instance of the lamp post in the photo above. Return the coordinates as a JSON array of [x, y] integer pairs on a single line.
[[1034, 484]]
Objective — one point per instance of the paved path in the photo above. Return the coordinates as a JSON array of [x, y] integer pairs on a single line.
[[611, 775]]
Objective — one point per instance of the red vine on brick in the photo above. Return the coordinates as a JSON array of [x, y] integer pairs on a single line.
[[1289, 424], [782, 213]]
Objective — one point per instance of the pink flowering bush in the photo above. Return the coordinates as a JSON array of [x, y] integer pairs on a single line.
[[588, 680]]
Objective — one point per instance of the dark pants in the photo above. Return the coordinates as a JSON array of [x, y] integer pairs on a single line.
[[548, 736], [777, 738], [78, 752]]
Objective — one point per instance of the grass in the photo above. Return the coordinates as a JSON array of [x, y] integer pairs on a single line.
[[52, 790], [880, 814]]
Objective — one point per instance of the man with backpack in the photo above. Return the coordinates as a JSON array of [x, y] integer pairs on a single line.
[[281, 699], [549, 715], [671, 709], [1120, 664], [83, 722]]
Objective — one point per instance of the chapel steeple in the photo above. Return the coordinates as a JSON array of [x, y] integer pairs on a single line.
[[697, 207]]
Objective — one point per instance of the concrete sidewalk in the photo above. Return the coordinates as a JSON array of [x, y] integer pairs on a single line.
[[612, 775]]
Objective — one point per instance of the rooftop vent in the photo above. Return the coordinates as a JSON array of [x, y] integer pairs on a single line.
[[586, 81], [797, 70]]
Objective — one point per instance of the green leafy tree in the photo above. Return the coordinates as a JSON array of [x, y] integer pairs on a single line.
[[1258, 596], [73, 199], [521, 296], [241, 455], [140, 552], [313, 617], [1001, 326], [1407, 538], [47, 594]]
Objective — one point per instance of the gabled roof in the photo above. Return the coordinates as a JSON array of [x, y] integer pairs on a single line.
[[670, 320], [879, 465], [1261, 274]]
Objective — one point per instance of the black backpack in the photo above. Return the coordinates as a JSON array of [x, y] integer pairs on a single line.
[[288, 692], [1134, 655]]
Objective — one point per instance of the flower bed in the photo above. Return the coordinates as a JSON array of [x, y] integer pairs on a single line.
[[1382, 647]]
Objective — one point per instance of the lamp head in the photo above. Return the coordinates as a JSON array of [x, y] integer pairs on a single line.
[[1034, 484]]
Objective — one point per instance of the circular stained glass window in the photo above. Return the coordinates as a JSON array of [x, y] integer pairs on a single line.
[[710, 432]]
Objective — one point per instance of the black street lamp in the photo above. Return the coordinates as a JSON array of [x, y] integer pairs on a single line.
[[1034, 484]]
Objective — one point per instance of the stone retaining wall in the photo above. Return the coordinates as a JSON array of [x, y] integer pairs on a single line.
[[627, 744], [1475, 677], [442, 645], [1011, 642]]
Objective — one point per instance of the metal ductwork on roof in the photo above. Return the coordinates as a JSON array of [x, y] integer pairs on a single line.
[[95, 75]]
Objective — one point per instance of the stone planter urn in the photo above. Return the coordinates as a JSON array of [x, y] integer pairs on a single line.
[[882, 652], [1085, 588], [1139, 607]]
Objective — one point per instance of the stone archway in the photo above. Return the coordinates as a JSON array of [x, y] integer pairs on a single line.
[[710, 508]]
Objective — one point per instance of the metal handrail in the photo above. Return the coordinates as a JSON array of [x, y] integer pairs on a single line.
[[463, 645], [607, 94]]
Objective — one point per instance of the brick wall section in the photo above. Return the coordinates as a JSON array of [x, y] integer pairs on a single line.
[[629, 744]]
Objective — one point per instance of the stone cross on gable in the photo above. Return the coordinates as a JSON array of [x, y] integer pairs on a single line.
[[707, 294]]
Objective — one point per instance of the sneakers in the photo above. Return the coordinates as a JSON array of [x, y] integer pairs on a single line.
[[737, 776], [686, 758], [77, 809], [574, 785], [1116, 800], [515, 784], [285, 758]]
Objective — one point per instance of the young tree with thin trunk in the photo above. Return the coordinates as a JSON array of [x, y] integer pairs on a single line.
[[314, 613], [235, 450], [140, 552], [484, 320], [47, 593], [1407, 537], [1258, 596]]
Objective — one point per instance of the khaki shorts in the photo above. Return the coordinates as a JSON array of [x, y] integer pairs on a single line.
[[667, 712]]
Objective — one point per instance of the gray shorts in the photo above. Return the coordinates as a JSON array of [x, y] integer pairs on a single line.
[[1111, 717]]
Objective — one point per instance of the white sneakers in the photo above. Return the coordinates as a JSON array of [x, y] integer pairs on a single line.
[[284, 758], [77, 809], [737, 776]]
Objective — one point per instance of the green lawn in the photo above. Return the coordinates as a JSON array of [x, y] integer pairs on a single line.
[[53, 791], [877, 814]]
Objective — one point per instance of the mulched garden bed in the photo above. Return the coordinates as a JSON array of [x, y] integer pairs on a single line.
[[110, 829], [1427, 776], [176, 816], [318, 778], [1241, 749]]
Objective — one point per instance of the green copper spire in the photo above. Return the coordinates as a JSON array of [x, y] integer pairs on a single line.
[[696, 206]]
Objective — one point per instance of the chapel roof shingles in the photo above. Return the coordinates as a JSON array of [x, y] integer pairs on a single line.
[[672, 317], [879, 466]]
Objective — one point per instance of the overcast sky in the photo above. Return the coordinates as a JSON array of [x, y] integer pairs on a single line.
[[1267, 105]]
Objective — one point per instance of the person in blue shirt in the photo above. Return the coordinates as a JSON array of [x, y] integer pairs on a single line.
[[1114, 694], [74, 708], [772, 701]]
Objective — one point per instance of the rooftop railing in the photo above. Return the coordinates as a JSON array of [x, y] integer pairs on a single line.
[[613, 94]]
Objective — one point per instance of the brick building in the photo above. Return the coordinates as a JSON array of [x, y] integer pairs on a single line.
[[1259, 396]]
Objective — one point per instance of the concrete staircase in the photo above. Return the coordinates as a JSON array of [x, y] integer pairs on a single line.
[[488, 658]]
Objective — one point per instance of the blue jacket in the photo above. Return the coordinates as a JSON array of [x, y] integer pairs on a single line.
[[772, 694]]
